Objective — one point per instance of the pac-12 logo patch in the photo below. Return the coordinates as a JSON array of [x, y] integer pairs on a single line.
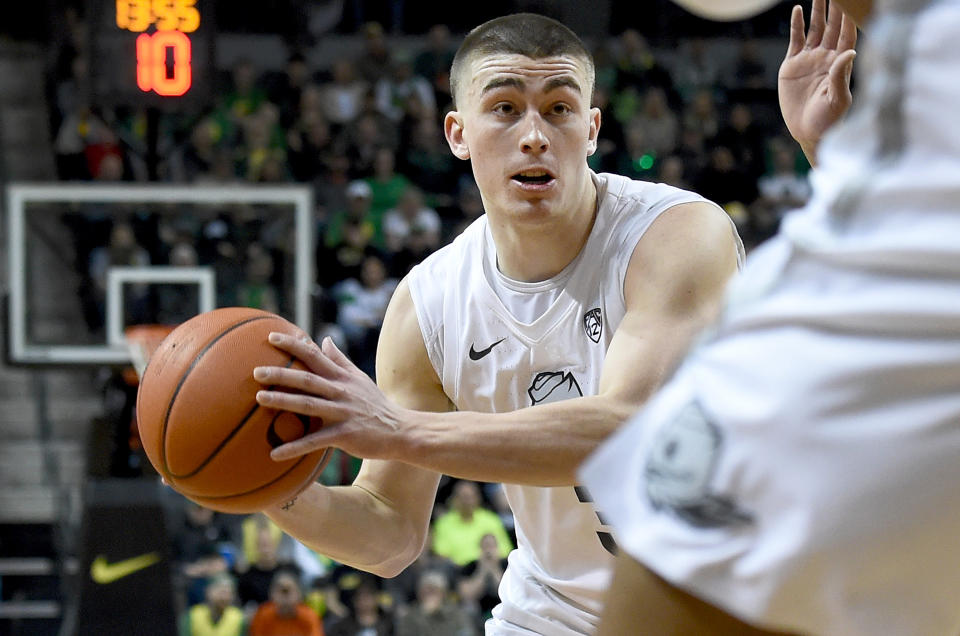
[[680, 469], [593, 324]]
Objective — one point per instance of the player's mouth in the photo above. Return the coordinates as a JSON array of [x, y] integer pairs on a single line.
[[534, 180]]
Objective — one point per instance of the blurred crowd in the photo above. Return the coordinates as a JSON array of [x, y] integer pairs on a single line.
[[244, 576], [365, 132]]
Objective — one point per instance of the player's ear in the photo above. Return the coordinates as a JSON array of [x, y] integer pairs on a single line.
[[594, 131], [453, 130]]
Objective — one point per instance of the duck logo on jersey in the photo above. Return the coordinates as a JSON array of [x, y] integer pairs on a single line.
[[593, 324], [681, 466], [553, 386]]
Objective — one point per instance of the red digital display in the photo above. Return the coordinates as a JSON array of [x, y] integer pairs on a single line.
[[153, 71], [164, 54]]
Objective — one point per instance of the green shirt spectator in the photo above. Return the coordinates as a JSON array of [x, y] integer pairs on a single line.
[[457, 533]]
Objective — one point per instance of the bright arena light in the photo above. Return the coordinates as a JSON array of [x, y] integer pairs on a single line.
[[726, 9]]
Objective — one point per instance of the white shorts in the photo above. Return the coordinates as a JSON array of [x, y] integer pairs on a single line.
[[530, 608]]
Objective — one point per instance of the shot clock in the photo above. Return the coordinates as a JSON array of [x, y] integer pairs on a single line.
[[156, 53]]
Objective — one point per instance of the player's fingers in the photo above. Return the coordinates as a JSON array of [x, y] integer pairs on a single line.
[[304, 349], [832, 32], [303, 404], [818, 15], [848, 33], [797, 36], [295, 379], [840, 72], [306, 444]]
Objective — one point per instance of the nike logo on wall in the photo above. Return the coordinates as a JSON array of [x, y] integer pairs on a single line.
[[103, 573], [476, 355]]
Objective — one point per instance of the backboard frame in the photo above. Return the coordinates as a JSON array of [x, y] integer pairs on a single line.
[[19, 195]]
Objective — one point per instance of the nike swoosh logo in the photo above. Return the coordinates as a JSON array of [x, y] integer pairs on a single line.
[[103, 573], [476, 355]]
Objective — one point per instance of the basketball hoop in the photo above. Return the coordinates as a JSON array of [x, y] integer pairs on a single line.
[[142, 341]]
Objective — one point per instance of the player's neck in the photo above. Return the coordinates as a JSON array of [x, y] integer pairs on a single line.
[[537, 252]]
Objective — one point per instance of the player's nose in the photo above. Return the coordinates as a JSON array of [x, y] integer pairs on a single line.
[[534, 139]]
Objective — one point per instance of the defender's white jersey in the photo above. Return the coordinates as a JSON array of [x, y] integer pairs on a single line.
[[802, 469], [490, 361]]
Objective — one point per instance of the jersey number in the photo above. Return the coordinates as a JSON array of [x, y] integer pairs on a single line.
[[606, 539]]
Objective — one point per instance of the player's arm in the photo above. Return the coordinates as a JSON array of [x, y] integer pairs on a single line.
[[637, 596], [378, 524], [673, 287]]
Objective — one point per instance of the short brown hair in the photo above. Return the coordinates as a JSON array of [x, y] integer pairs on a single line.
[[529, 34]]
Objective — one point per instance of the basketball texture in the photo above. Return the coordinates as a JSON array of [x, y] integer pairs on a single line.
[[199, 420]]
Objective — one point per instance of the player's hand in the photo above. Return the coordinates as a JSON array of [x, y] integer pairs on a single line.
[[357, 416], [814, 79]]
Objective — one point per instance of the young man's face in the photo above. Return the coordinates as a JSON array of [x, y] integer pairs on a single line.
[[527, 127]]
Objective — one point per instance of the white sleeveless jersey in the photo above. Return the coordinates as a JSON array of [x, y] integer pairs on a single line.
[[489, 361]]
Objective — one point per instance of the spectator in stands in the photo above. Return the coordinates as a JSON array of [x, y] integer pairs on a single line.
[[401, 93], [637, 159], [701, 115], [203, 547], [433, 63], [254, 581], [428, 162], [244, 96], [370, 132], [217, 615], [434, 611], [695, 69], [671, 172], [637, 64], [749, 70], [724, 182], [374, 60], [263, 142], [386, 187], [362, 304], [359, 196], [286, 90], [365, 617], [285, 613], [660, 126], [469, 207], [412, 231], [342, 98], [257, 289], [457, 533], [782, 189], [308, 144], [122, 250], [479, 580], [746, 140], [195, 158]]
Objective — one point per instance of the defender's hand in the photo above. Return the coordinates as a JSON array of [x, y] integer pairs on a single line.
[[814, 79], [357, 416]]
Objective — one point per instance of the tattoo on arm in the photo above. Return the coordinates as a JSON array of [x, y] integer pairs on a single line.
[[289, 504]]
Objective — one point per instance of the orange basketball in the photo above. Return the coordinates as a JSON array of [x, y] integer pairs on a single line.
[[199, 420]]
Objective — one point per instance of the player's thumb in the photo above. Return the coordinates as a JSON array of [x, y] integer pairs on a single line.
[[841, 70]]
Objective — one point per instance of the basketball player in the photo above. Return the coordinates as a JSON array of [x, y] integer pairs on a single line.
[[511, 353], [800, 472]]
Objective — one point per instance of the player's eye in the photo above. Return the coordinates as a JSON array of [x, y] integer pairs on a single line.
[[504, 108], [560, 109]]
